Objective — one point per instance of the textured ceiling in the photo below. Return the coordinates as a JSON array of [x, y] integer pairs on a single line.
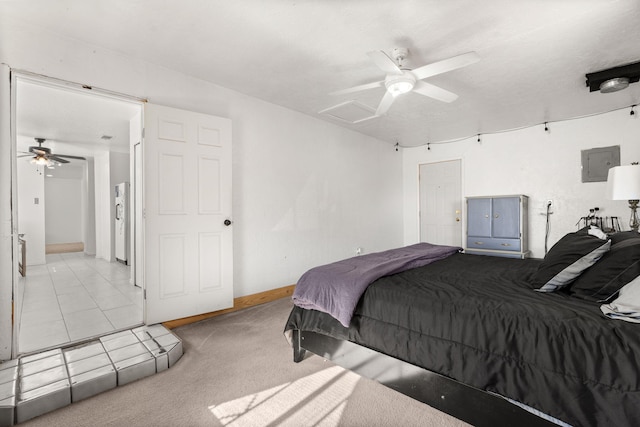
[[534, 53]]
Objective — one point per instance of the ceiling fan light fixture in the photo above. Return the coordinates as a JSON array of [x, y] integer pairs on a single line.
[[40, 161], [614, 85], [399, 84]]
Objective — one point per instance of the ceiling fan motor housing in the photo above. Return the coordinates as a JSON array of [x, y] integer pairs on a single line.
[[398, 84], [399, 54]]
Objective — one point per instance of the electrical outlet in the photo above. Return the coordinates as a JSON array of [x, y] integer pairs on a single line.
[[548, 207], [358, 251]]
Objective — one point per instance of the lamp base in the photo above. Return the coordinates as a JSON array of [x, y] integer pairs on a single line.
[[633, 222]]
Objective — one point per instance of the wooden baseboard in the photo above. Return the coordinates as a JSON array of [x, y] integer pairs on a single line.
[[61, 248], [238, 304]]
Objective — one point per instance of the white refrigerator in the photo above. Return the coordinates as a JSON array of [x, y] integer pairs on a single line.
[[122, 222]]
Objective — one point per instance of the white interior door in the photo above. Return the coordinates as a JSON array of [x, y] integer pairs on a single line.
[[188, 252], [441, 203]]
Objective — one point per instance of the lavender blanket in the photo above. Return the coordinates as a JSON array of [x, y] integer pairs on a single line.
[[336, 288]]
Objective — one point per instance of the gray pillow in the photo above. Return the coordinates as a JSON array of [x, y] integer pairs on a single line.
[[627, 305]]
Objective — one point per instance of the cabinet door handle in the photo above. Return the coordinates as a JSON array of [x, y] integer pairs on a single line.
[[496, 216], [479, 243], [506, 244]]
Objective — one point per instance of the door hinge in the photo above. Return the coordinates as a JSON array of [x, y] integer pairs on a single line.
[[144, 294], [143, 132]]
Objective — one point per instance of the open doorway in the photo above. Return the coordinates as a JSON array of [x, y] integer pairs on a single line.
[[75, 185]]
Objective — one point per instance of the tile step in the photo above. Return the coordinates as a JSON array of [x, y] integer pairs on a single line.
[[39, 383]]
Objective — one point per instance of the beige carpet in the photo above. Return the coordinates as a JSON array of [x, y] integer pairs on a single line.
[[237, 370]]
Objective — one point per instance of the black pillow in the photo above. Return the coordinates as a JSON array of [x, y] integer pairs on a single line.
[[623, 235], [569, 257], [617, 267]]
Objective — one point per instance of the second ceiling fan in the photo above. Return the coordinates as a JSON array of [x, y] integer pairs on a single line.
[[400, 79], [44, 156]]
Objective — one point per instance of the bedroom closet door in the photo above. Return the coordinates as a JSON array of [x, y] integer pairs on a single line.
[[441, 203], [188, 250]]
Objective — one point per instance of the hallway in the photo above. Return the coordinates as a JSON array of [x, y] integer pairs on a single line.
[[75, 297]]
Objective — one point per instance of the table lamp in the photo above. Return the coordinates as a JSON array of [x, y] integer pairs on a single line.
[[623, 183]]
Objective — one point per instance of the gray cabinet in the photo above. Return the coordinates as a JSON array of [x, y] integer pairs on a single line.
[[497, 225]]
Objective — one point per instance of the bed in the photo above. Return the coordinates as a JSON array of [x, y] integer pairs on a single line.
[[495, 340]]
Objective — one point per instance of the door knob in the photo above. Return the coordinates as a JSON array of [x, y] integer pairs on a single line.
[[227, 222]]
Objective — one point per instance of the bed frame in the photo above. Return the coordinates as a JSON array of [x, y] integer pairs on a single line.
[[461, 401]]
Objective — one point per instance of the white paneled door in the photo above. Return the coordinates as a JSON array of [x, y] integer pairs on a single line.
[[441, 203], [188, 254]]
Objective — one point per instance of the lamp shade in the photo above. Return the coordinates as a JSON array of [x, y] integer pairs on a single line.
[[623, 183]]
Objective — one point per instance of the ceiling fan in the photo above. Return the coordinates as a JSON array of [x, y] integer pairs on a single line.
[[400, 79], [44, 157]]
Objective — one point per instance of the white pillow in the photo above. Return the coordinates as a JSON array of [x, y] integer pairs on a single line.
[[627, 305], [595, 231]]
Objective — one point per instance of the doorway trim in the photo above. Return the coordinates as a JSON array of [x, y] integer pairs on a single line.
[[66, 84], [7, 235], [39, 79]]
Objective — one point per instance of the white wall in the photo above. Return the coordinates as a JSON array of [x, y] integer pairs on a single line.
[[31, 218], [102, 199], [89, 208], [542, 165], [304, 191], [63, 204], [307, 193], [63, 210]]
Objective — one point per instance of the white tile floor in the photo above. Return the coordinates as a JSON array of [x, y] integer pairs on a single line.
[[75, 297]]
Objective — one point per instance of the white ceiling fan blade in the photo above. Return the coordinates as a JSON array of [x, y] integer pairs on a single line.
[[359, 88], [446, 65], [434, 92], [383, 62], [385, 104]]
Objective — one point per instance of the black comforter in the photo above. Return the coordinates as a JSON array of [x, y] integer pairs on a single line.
[[477, 319]]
